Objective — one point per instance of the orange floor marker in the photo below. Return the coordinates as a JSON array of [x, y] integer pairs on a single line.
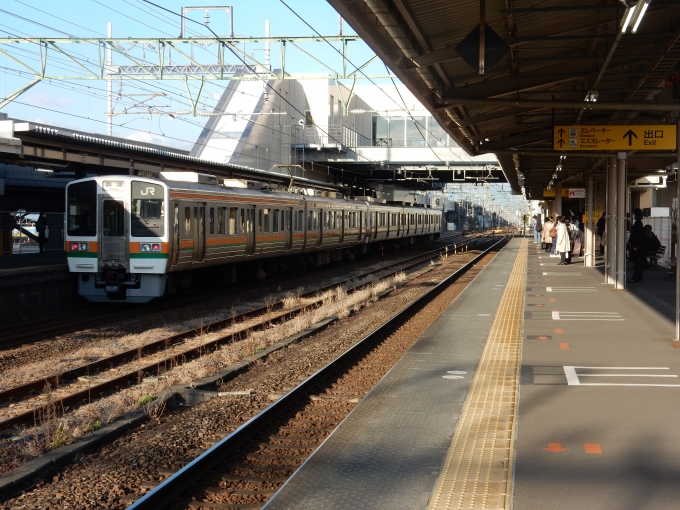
[[592, 447], [564, 346], [555, 448], [553, 300], [559, 331]]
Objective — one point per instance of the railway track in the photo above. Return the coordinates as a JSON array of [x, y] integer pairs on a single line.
[[100, 315], [92, 381], [245, 468]]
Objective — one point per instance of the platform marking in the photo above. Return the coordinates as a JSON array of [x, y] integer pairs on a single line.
[[559, 331], [556, 448], [573, 377], [552, 300], [478, 468], [586, 316], [564, 346], [562, 274], [592, 447], [571, 289]]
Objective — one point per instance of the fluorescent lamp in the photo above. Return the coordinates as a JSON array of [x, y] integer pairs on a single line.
[[44, 170], [626, 19], [643, 9]]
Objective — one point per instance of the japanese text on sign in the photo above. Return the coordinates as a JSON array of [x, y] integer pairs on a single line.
[[614, 138]]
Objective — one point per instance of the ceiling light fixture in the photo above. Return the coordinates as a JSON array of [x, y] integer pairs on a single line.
[[635, 11]]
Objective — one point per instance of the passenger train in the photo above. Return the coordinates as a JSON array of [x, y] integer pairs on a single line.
[[133, 239]]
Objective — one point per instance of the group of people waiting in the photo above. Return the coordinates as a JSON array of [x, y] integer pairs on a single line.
[[560, 236]]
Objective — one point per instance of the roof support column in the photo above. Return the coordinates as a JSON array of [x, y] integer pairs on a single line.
[[621, 194], [610, 254], [558, 199], [677, 248], [589, 258]]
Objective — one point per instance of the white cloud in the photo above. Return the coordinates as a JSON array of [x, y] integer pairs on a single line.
[[47, 99]]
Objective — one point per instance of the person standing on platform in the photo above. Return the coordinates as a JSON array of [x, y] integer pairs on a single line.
[[562, 245], [42, 227], [601, 224], [537, 228], [636, 245], [546, 240]]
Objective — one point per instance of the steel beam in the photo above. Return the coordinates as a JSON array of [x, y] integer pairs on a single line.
[[580, 105]]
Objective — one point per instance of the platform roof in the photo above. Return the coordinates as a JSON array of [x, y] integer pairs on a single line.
[[557, 51]]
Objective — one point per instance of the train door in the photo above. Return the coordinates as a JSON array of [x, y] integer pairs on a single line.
[[319, 227], [114, 232], [360, 224], [186, 236], [288, 227], [199, 232], [174, 240], [249, 223]]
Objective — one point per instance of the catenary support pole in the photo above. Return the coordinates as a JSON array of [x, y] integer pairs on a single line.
[[611, 222], [109, 85], [589, 259], [621, 194]]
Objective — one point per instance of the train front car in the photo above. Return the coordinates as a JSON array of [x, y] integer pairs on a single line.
[[117, 238]]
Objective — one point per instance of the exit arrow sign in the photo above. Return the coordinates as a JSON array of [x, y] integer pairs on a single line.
[[615, 138]]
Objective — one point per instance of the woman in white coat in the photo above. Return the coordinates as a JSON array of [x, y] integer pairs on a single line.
[[563, 242], [545, 233]]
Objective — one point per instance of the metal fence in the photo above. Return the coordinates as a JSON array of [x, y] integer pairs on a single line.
[[336, 134], [15, 242]]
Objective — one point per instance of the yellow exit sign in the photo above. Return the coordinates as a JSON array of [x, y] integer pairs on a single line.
[[614, 138]]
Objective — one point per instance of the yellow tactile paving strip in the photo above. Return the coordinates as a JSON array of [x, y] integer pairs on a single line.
[[477, 472]]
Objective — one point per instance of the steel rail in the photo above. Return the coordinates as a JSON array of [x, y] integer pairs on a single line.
[[165, 493], [101, 390]]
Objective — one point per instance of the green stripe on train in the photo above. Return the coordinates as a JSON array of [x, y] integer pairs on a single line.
[[148, 255], [82, 254]]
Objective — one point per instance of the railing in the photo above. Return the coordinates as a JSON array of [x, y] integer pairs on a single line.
[[336, 134]]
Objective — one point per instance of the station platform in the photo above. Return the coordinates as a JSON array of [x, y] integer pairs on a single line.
[[33, 263], [539, 387]]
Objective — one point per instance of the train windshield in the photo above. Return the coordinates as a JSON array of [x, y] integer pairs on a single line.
[[82, 209], [148, 219]]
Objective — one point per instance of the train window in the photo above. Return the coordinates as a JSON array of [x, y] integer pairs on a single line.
[[201, 221], [233, 213], [335, 219], [187, 220], [113, 218], [221, 213], [260, 221], [243, 220], [175, 219], [211, 220], [282, 221], [147, 218], [82, 209], [300, 225], [266, 223], [275, 220], [310, 221]]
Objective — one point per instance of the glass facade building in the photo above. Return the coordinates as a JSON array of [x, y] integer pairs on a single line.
[[408, 131]]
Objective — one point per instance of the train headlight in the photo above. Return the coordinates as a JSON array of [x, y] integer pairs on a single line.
[[149, 247], [79, 246]]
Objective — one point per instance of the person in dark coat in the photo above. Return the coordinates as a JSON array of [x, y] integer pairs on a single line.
[[601, 224], [42, 227], [637, 246]]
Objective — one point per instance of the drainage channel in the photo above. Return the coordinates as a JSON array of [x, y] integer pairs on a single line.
[[245, 469]]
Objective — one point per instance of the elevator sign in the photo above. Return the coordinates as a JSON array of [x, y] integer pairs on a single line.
[[614, 138]]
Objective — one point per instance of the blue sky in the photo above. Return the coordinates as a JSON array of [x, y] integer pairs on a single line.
[[81, 104]]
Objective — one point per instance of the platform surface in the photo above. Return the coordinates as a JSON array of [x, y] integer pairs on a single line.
[[600, 386], [389, 451], [11, 265]]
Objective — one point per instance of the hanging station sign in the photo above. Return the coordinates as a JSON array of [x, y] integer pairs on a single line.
[[614, 138]]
